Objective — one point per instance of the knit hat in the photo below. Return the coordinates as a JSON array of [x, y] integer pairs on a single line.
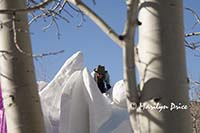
[[100, 69]]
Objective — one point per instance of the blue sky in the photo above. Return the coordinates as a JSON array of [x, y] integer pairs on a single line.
[[97, 48], [193, 62]]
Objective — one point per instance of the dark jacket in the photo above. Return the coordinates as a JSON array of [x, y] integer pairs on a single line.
[[102, 83]]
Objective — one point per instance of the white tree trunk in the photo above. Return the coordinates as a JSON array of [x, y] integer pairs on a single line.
[[129, 61], [162, 67], [130, 82], [20, 94]]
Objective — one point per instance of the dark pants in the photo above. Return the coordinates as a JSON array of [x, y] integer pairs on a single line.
[[101, 85]]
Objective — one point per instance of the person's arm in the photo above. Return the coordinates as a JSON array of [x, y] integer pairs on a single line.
[[107, 80]]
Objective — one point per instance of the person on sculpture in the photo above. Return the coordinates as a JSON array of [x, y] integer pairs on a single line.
[[102, 78]]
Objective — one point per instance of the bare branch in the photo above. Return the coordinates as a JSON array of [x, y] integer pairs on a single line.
[[79, 13], [131, 19], [194, 25], [194, 14], [54, 13], [15, 30], [129, 29], [36, 17], [60, 16], [192, 34], [129, 62], [29, 9], [62, 6], [56, 5], [97, 20], [15, 37], [81, 21], [48, 54], [194, 82], [58, 30], [49, 25], [67, 12], [192, 45], [71, 6], [197, 55]]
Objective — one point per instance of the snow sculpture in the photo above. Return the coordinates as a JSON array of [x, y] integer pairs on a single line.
[[51, 94], [72, 103], [119, 94]]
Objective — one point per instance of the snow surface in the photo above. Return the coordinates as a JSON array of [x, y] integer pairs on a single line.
[[72, 103], [119, 94], [41, 85], [194, 94]]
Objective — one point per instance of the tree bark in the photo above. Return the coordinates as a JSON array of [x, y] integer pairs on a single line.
[[130, 82], [20, 95], [129, 61], [162, 67]]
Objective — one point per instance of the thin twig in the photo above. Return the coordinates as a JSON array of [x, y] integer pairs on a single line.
[[81, 20], [58, 29], [97, 20], [194, 82], [56, 5], [193, 45], [62, 6], [15, 37], [68, 13], [192, 34], [48, 26], [36, 17], [29, 9], [20, 49], [48, 54], [60, 16], [77, 10], [194, 14]]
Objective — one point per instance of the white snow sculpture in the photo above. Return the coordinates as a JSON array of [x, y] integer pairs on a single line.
[[83, 109], [41, 85], [119, 94], [51, 95], [72, 103]]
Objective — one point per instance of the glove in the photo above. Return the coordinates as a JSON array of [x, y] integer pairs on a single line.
[[108, 86]]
